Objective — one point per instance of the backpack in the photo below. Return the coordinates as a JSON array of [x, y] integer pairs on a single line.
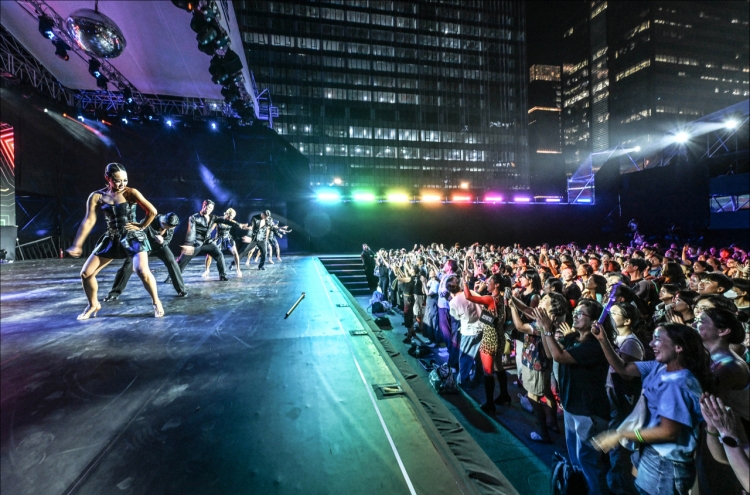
[[383, 323], [567, 478], [441, 379]]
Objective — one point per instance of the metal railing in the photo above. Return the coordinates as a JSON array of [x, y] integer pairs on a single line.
[[50, 247]]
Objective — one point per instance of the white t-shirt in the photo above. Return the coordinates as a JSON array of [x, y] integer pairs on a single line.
[[467, 313], [630, 345]]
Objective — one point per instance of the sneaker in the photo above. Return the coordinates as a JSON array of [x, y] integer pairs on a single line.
[[525, 403], [223, 278], [182, 294], [538, 438]]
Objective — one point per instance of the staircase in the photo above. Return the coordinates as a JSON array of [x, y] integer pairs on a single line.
[[349, 270]]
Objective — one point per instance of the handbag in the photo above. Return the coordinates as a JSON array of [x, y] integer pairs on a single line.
[[487, 318], [441, 379], [636, 419]]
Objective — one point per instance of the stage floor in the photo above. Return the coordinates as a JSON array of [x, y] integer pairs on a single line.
[[222, 395]]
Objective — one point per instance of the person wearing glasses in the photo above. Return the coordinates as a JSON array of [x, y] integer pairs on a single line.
[[582, 386], [158, 237]]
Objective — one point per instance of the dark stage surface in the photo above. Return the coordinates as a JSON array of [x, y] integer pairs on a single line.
[[221, 396]]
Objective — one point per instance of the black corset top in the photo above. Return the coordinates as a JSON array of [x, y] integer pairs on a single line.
[[118, 216]]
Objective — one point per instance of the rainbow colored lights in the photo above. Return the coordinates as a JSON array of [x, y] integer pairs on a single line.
[[346, 195]]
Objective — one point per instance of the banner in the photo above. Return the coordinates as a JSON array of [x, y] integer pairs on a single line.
[[7, 176]]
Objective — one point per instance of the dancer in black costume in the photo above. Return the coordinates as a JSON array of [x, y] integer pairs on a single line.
[[258, 237], [224, 240], [196, 239], [124, 237], [159, 237]]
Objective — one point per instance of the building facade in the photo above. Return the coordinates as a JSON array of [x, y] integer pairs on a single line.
[[633, 71], [382, 94]]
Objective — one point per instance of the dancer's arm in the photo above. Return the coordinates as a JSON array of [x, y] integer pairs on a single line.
[[88, 223], [147, 207]]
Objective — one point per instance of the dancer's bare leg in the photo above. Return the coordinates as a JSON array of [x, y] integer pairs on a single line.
[[236, 256], [140, 267], [89, 271], [208, 265]]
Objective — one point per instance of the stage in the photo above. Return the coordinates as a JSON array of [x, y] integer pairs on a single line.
[[222, 395]]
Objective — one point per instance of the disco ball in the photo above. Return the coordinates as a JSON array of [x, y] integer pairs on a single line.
[[96, 33]]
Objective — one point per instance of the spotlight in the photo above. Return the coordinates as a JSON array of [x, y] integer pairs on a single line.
[[681, 137], [129, 103], [95, 70], [637, 149], [124, 120], [337, 181], [223, 68], [61, 49], [46, 24], [184, 5], [169, 123], [213, 125], [45, 110], [731, 124], [80, 117], [464, 185]]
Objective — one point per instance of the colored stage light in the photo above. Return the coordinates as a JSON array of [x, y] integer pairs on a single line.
[[213, 125], [681, 137], [552, 200], [583, 200], [169, 123], [731, 124], [124, 120], [464, 185], [329, 197], [492, 198], [80, 117], [461, 198], [364, 197], [398, 198], [637, 149], [431, 198], [521, 199], [337, 181]]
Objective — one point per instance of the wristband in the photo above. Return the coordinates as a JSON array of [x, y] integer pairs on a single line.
[[713, 433], [549, 334], [637, 434]]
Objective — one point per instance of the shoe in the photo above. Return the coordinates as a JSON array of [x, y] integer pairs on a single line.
[[247, 263], [182, 294], [239, 273], [223, 278], [89, 312], [261, 268], [525, 403], [271, 261], [204, 274], [406, 340], [111, 297], [488, 407], [158, 310], [278, 259], [503, 399], [538, 438], [168, 280]]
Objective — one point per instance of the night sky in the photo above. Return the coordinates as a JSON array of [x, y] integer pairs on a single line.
[[545, 24]]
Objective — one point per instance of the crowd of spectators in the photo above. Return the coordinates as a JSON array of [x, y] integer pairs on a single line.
[[673, 352]]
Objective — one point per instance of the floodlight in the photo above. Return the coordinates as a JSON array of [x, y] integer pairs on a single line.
[[61, 49], [95, 70], [637, 149], [46, 24], [337, 181], [731, 124], [681, 137]]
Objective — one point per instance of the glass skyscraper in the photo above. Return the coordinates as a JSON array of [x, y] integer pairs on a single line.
[[389, 94]]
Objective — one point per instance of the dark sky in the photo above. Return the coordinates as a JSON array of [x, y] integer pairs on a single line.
[[545, 24]]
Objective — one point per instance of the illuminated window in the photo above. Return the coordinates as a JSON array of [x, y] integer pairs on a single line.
[[383, 133], [408, 135], [360, 132], [632, 70]]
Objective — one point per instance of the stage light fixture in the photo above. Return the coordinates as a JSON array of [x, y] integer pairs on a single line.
[[398, 198], [637, 149], [329, 197], [464, 185], [461, 198], [493, 198], [46, 25], [213, 125], [95, 70], [364, 197], [224, 68], [61, 49], [169, 123], [521, 199], [45, 110], [124, 120], [731, 124], [681, 137], [80, 117], [337, 181], [184, 5], [431, 198], [231, 94], [552, 200]]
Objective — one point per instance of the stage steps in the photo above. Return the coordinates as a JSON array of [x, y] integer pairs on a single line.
[[349, 270]]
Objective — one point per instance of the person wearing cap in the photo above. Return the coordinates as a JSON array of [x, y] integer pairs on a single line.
[[159, 234]]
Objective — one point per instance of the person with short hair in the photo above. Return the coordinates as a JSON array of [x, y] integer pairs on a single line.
[[714, 283], [159, 238], [224, 241]]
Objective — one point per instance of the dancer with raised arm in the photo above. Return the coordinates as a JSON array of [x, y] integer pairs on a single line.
[[259, 237], [124, 237], [224, 240], [197, 241]]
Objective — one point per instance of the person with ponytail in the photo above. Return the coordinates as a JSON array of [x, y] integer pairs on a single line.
[[672, 388], [124, 237]]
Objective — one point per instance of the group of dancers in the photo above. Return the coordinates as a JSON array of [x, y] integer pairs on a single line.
[[134, 241]]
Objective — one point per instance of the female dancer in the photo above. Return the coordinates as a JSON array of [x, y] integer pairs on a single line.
[[124, 237], [224, 240], [493, 342]]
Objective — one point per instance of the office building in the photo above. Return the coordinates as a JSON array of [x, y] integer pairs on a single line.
[[389, 94]]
